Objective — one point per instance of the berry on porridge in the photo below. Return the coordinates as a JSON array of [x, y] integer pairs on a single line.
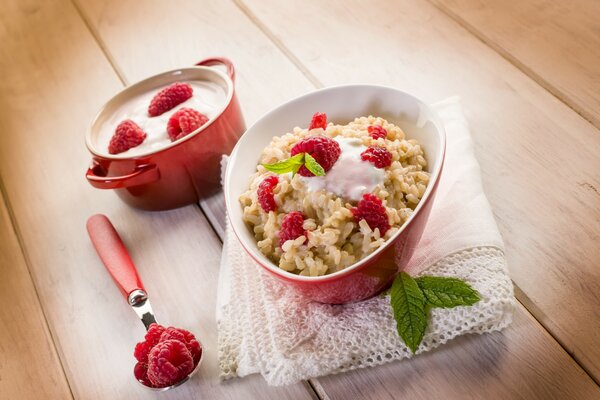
[[324, 197]]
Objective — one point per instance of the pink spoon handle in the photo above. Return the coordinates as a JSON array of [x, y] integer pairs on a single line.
[[113, 254]]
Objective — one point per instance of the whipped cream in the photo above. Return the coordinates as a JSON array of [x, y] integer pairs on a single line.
[[208, 98], [350, 177]]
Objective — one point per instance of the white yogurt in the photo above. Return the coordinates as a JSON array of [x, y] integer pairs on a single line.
[[208, 98], [350, 177]]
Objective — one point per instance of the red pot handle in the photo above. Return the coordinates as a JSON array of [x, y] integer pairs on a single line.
[[142, 174], [113, 254], [220, 61]]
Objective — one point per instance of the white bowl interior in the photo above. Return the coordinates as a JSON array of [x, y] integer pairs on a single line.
[[341, 104], [153, 84]]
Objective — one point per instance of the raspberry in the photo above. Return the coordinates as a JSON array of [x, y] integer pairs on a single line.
[[372, 210], [377, 131], [150, 340], [378, 156], [169, 97], [186, 338], [324, 150], [265, 193], [319, 120], [127, 135], [291, 227], [140, 371], [184, 122], [168, 363]]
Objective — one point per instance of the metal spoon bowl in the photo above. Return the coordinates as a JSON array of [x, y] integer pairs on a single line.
[[116, 259]]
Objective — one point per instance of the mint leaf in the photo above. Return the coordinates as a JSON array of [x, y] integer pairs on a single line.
[[447, 292], [292, 165], [409, 306], [312, 165]]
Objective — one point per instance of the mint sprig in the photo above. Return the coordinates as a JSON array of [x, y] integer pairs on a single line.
[[408, 304], [312, 165], [411, 299], [447, 292], [294, 163]]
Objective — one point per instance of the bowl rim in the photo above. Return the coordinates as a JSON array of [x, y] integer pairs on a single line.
[[124, 95], [427, 196]]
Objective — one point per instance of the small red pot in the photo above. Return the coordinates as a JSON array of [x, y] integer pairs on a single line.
[[342, 104], [182, 172]]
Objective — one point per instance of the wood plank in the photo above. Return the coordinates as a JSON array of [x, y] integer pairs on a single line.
[[29, 365], [54, 79], [554, 42], [179, 35], [539, 158], [522, 362]]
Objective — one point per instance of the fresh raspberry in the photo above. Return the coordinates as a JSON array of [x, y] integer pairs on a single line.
[[140, 371], [265, 193], [324, 150], [127, 135], [319, 120], [377, 131], [184, 122], [372, 210], [378, 156], [169, 97], [291, 227], [169, 362], [186, 338], [150, 340]]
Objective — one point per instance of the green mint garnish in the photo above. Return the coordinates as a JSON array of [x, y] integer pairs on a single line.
[[294, 163], [408, 304], [411, 300], [447, 292], [312, 165]]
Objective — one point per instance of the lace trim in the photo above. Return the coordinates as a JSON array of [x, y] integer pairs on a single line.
[[267, 328]]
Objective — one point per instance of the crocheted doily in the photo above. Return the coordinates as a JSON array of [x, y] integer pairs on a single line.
[[265, 327]]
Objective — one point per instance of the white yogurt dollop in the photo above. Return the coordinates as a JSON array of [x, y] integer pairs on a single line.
[[350, 177]]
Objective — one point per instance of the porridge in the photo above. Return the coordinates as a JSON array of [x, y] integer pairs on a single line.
[[324, 197]]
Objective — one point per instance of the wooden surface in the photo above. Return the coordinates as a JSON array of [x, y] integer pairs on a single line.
[[24, 333], [557, 43], [60, 61]]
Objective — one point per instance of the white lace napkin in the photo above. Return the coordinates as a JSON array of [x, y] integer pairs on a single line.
[[264, 327]]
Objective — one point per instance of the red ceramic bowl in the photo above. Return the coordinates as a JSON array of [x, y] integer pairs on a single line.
[[342, 104], [180, 172]]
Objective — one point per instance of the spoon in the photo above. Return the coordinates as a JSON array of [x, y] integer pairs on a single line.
[[115, 257]]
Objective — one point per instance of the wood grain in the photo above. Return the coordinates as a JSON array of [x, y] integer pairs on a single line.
[[518, 367], [163, 36], [556, 43], [521, 362], [54, 79], [29, 364], [539, 158], [51, 63]]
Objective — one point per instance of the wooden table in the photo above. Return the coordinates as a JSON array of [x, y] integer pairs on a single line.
[[528, 72]]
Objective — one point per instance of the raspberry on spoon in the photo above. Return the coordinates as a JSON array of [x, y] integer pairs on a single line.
[[168, 363]]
